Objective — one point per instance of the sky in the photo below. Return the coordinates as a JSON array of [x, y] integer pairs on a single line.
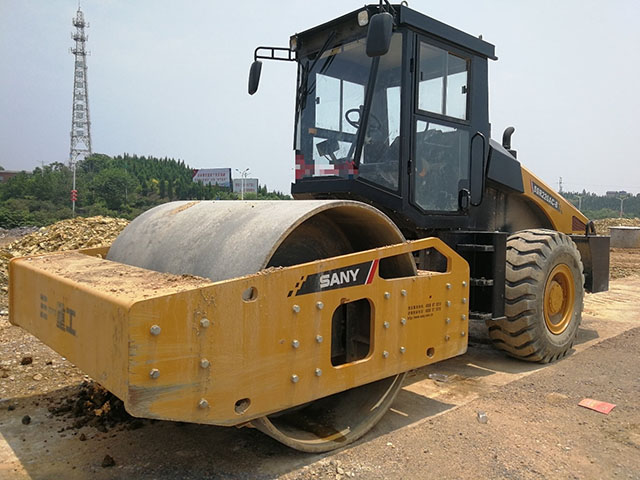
[[169, 79]]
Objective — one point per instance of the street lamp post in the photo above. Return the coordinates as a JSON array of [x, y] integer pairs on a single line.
[[622, 199], [243, 175]]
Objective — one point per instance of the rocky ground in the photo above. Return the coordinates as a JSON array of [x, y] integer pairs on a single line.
[[56, 423]]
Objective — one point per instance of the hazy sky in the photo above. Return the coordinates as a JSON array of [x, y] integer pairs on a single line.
[[169, 78]]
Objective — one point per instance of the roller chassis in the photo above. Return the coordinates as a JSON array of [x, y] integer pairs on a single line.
[[225, 353]]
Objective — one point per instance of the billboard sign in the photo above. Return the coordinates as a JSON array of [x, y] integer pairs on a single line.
[[213, 176], [250, 185]]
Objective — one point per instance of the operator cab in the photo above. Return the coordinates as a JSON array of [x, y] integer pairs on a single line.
[[404, 130]]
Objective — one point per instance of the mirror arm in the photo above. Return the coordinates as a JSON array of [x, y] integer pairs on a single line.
[[387, 8], [272, 55], [364, 113]]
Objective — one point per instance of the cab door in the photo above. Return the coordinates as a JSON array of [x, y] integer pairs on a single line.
[[442, 130]]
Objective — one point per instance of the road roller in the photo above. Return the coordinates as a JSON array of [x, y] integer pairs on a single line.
[[301, 318]]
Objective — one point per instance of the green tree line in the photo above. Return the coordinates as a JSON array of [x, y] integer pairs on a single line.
[[127, 185], [121, 186], [602, 206]]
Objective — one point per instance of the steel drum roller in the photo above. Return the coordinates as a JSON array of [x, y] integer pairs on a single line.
[[226, 239]]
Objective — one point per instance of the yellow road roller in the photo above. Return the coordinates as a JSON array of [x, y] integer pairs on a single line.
[[301, 318]]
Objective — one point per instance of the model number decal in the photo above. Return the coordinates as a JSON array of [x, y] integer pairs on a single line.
[[540, 192], [423, 310], [350, 276], [62, 315]]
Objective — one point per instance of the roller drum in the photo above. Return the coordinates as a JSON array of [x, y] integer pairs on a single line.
[[227, 239]]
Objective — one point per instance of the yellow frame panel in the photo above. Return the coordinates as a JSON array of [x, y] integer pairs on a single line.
[[251, 349], [555, 207]]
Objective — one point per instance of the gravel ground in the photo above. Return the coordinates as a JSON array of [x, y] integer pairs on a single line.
[[54, 423], [535, 428]]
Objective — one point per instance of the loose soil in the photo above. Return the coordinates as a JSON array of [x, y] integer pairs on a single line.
[[625, 262]]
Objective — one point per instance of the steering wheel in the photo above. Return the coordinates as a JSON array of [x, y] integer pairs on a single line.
[[375, 125]]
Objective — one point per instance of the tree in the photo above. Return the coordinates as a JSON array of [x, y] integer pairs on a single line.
[[170, 189], [112, 186], [95, 163]]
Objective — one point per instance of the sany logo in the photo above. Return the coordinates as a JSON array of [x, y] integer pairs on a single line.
[[329, 280], [360, 274]]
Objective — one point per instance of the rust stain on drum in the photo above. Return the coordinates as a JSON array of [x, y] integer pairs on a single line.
[[182, 208]]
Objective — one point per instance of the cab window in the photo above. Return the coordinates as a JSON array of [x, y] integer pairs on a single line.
[[442, 82], [441, 167]]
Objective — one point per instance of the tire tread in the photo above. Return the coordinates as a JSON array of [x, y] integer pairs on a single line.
[[518, 333]]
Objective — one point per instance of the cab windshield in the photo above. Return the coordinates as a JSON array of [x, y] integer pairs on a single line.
[[330, 106]]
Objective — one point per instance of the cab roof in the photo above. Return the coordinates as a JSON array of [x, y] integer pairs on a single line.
[[347, 25]]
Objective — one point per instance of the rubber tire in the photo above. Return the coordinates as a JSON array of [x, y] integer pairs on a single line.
[[523, 333]]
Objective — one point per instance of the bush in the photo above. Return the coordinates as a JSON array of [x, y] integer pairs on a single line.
[[13, 218]]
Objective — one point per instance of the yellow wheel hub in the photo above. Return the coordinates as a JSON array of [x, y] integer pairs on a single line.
[[559, 296]]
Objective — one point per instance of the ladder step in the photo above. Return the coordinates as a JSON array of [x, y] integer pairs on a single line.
[[480, 316], [481, 282], [473, 247]]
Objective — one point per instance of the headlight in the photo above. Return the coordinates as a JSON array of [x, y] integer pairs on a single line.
[[363, 18]]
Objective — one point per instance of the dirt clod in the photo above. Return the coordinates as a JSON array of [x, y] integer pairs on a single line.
[[108, 461], [96, 407], [26, 361]]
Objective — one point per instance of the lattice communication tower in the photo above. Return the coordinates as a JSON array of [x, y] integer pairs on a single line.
[[80, 122]]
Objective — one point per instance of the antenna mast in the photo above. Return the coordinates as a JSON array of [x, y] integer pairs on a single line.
[[80, 122]]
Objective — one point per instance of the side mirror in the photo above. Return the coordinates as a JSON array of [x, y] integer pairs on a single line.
[[254, 76], [379, 34]]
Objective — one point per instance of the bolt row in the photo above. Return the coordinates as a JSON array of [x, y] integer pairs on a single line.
[[463, 317], [154, 373], [155, 330]]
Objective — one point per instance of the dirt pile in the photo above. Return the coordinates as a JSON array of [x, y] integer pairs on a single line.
[[16, 232], [602, 226], [64, 235], [96, 407]]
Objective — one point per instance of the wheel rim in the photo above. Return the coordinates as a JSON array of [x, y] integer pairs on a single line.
[[559, 295]]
